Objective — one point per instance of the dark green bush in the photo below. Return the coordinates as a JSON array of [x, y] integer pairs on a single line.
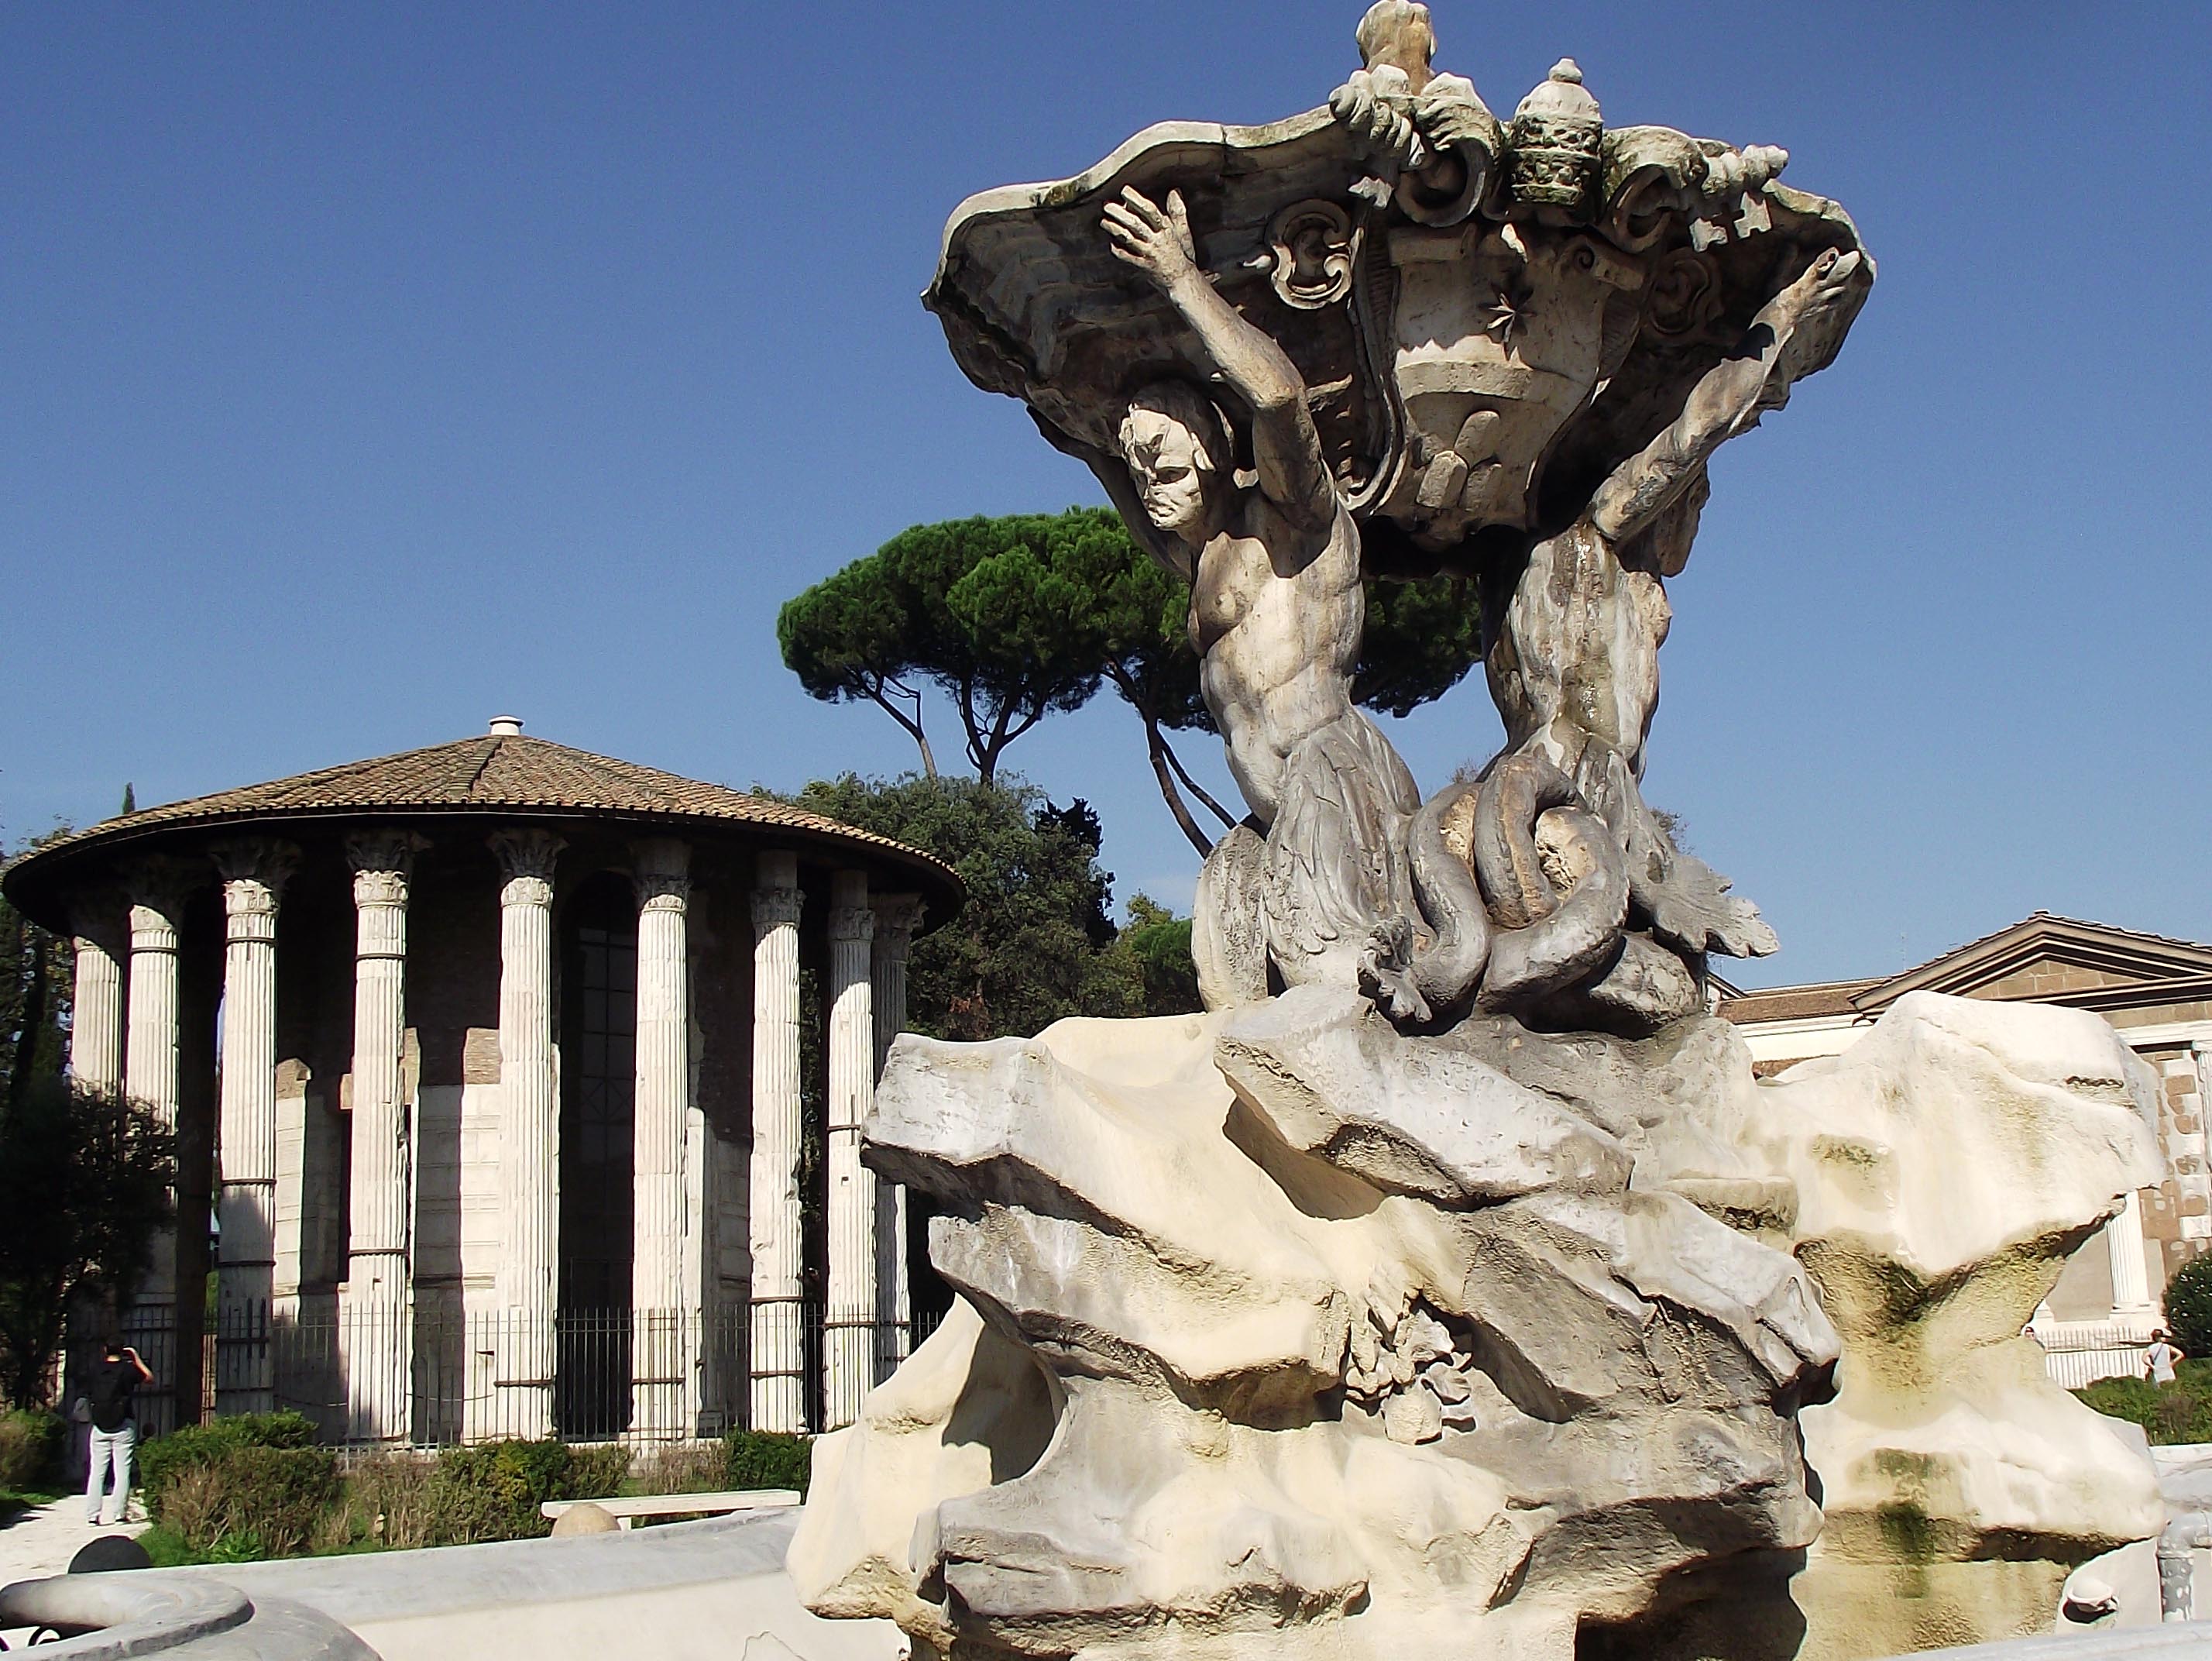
[[2135, 1400], [251, 1501], [162, 1460], [31, 1442], [766, 1459], [492, 1491], [595, 1471], [2170, 1413], [2189, 1306]]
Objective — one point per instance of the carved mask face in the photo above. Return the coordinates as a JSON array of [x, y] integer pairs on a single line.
[[1171, 469]]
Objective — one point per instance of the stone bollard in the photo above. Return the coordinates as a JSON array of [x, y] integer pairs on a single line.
[[587, 1518]]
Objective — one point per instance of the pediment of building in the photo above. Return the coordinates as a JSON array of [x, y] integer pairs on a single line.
[[2049, 959]]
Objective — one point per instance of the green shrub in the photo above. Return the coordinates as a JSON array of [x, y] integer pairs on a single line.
[[2189, 1306], [682, 1468], [2170, 1413], [252, 1502], [191, 1446], [31, 1442], [2135, 1400], [387, 1501], [596, 1471], [492, 1491], [766, 1459]]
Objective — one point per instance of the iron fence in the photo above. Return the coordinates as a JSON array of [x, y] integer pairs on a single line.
[[481, 1374]]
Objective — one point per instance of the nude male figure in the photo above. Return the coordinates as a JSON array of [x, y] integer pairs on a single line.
[[1276, 614], [1574, 667]]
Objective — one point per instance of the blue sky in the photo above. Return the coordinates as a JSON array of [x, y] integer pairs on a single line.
[[366, 371]]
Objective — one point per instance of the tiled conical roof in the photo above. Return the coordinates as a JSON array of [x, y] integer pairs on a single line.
[[494, 773]]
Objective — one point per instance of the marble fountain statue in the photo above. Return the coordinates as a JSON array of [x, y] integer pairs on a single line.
[[1451, 1287]]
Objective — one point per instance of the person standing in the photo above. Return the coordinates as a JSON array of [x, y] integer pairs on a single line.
[[2159, 1359], [111, 1391]]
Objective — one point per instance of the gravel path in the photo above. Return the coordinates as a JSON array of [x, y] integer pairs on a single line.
[[42, 1540]]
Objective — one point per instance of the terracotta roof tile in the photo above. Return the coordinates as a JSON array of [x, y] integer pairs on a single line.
[[487, 773], [1793, 1003]]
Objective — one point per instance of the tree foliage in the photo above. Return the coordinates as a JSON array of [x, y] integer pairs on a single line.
[[2189, 1307], [36, 982], [1035, 941], [1422, 638], [992, 612], [1159, 943], [84, 1187], [1028, 947], [1016, 617]]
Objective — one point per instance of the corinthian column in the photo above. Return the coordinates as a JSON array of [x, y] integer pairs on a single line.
[[530, 1136], [849, 1317], [99, 922], [375, 1339], [663, 1375], [2123, 1239], [778, 1350], [897, 916], [253, 872], [150, 1071]]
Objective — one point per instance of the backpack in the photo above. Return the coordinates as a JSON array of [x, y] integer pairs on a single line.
[[113, 1384]]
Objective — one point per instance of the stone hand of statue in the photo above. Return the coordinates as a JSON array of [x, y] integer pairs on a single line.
[[1452, 119], [1364, 106], [1805, 315], [1818, 291], [1156, 241]]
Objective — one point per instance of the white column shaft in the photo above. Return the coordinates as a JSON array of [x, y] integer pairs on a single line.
[[778, 1349], [96, 1017], [246, 1199], [530, 1137], [849, 1315], [663, 1375], [150, 1065], [376, 1334], [2124, 1235], [897, 917]]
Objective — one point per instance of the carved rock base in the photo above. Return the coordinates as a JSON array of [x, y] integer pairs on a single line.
[[1284, 1333]]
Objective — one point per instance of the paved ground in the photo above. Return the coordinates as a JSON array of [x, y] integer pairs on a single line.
[[42, 1540]]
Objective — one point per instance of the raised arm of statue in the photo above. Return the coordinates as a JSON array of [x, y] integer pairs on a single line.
[[1286, 448], [1754, 379]]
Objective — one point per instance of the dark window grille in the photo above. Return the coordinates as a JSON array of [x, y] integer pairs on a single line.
[[598, 1060]]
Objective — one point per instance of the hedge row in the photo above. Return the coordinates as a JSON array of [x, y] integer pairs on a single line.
[[2169, 1413], [31, 1443], [255, 1486]]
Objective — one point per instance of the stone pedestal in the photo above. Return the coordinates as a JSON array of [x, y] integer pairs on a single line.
[[530, 1137], [778, 1348], [254, 871], [849, 1310], [375, 1305], [664, 1344]]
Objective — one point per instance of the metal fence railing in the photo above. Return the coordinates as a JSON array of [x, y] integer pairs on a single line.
[[481, 1374]]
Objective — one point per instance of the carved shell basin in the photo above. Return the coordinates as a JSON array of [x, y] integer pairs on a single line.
[[1470, 382]]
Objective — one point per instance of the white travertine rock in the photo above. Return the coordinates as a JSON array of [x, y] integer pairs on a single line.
[[1946, 1166], [966, 1410], [1452, 1129], [1281, 1397], [1275, 1331]]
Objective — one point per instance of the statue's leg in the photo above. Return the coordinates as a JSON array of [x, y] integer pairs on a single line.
[[1228, 934]]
